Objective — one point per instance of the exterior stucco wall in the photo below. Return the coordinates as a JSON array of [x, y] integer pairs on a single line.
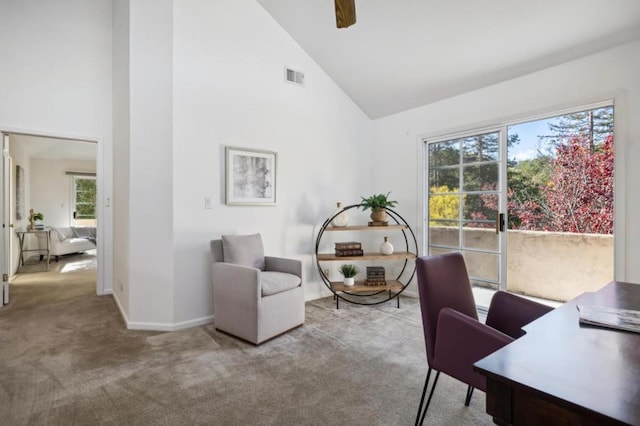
[[549, 265]]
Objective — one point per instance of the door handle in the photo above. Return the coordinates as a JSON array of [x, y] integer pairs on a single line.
[[75, 215], [499, 222]]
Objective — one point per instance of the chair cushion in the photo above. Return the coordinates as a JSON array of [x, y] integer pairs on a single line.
[[277, 282], [245, 250]]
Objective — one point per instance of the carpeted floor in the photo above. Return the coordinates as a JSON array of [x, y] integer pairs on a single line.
[[66, 359]]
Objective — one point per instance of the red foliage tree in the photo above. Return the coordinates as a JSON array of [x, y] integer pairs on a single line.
[[578, 197], [580, 192]]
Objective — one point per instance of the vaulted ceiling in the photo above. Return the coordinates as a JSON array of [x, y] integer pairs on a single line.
[[401, 54]]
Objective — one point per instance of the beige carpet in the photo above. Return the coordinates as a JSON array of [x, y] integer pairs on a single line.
[[66, 358]]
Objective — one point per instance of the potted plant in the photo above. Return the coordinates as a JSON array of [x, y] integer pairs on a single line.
[[377, 203], [33, 217], [349, 272]]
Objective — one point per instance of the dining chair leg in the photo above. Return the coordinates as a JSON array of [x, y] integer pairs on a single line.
[[469, 393], [424, 391], [433, 387]]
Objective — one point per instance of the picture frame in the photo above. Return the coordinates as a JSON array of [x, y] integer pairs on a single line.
[[20, 193], [251, 177]]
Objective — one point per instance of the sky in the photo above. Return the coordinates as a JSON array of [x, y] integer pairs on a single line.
[[529, 143]]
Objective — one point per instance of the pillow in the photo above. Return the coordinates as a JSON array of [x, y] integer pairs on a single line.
[[245, 250], [67, 232], [60, 234]]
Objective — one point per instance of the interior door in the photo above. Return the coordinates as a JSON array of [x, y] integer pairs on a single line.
[[465, 199], [5, 173]]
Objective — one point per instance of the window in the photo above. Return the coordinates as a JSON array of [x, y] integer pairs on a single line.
[[548, 184], [84, 197]]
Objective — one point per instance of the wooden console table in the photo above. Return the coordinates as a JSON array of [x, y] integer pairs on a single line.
[[21, 234], [562, 372]]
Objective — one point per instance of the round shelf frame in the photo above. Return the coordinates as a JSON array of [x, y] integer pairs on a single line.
[[351, 296]]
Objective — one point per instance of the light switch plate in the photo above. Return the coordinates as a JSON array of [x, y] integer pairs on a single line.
[[208, 203]]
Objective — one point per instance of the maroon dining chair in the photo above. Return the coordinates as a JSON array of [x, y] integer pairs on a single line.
[[454, 337]]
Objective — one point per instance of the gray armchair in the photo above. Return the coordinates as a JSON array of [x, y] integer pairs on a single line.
[[255, 297]]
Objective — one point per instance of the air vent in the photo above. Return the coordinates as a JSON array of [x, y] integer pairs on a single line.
[[294, 77]]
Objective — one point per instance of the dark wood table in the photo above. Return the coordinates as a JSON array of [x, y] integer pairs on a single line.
[[562, 372]]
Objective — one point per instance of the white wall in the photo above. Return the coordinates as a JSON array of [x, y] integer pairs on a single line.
[[606, 75], [56, 81], [121, 164], [229, 90], [151, 277], [51, 188]]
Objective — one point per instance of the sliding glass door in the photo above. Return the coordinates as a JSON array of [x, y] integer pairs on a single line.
[[464, 201], [551, 180]]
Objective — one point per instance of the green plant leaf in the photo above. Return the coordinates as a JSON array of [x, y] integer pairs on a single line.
[[348, 270], [377, 202]]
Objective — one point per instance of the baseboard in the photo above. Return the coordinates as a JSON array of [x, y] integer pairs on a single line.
[[122, 313], [413, 294], [193, 323], [158, 326], [309, 296]]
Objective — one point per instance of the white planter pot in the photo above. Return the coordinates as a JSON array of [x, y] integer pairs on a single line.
[[349, 281]]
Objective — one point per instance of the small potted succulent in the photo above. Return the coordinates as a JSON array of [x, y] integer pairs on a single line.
[[349, 272], [377, 204]]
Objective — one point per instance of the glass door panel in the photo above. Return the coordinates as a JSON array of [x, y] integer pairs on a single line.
[[464, 199], [560, 173]]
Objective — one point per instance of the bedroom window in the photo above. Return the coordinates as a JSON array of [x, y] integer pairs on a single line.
[[84, 201]]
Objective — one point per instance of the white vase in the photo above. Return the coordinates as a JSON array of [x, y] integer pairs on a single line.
[[349, 281], [342, 219], [386, 248]]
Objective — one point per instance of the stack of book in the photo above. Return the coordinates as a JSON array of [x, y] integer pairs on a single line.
[[350, 248], [375, 276]]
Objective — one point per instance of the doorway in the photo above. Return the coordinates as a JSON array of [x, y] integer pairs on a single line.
[[43, 161]]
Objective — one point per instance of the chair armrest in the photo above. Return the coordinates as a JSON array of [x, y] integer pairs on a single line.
[[460, 342], [281, 264], [53, 237], [508, 313], [235, 283]]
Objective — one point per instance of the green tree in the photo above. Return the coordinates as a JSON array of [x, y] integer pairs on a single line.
[[594, 126], [527, 178], [85, 198], [569, 186], [444, 203]]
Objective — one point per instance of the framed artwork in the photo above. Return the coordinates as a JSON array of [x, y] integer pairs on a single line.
[[19, 193], [251, 177]]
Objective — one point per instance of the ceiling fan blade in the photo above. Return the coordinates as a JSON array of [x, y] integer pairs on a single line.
[[345, 13]]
